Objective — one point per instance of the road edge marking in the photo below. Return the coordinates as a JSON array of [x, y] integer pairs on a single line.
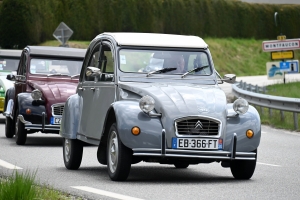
[[8, 165], [105, 193]]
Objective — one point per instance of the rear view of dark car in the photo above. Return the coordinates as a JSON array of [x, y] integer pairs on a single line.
[[46, 77]]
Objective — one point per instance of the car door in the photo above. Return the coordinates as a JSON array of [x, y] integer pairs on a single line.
[[85, 91], [104, 94], [20, 82]]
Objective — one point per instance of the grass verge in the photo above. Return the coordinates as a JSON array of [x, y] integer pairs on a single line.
[[275, 118], [23, 186]]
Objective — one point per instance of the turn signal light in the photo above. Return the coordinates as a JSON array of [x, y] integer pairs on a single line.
[[249, 133], [135, 130], [28, 111]]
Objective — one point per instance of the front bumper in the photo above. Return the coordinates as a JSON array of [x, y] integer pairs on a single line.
[[41, 127], [218, 155]]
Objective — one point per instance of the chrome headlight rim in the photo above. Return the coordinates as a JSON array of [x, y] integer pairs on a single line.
[[240, 106], [36, 94], [147, 104]]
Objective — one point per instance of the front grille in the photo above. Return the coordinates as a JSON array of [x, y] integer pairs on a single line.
[[197, 126], [57, 109]]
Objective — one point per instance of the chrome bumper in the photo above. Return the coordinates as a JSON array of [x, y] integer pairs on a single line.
[[178, 153], [43, 126]]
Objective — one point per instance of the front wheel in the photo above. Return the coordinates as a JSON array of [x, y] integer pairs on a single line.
[[72, 152], [243, 169], [20, 131], [9, 127], [119, 157]]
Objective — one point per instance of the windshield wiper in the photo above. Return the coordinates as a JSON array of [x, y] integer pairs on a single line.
[[75, 75], [162, 70], [197, 69], [58, 74]]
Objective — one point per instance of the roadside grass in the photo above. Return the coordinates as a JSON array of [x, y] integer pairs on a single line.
[[285, 90], [274, 120], [74, 44], [23, 186]]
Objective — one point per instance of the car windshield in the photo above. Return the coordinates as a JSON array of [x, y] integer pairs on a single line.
[[9, 64], [152, 62], [55, 67]]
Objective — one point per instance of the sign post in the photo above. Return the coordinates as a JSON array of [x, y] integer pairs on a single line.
[[62, 33]]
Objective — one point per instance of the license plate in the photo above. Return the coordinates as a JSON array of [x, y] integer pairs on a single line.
[[196, 143], [55, 120]]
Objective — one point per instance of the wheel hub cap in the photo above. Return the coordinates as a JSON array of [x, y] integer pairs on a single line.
[[114, 152]]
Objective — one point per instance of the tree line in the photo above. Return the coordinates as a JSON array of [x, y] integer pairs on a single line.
[[24, 22]]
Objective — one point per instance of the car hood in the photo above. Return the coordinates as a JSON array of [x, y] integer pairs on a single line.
[[54, 92], [182, 100]]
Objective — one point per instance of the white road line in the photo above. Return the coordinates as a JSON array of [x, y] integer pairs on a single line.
[[105, 193], [268, 164], [8, 165]]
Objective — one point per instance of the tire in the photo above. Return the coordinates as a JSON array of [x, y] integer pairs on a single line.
[[9, 127], [181, 165], [243, 169], [72, 153], [119, 157], [20, 131]]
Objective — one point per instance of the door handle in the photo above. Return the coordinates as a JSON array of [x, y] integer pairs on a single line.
[[93, 89], [80, 88]]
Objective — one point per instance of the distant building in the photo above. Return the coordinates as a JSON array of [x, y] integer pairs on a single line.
[[273, 1]]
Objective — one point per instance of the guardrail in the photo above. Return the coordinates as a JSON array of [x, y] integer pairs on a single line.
[[256, 96]]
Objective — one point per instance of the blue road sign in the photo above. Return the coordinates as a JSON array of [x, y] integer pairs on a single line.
[[289, 66], [294, 66], [285, 66]]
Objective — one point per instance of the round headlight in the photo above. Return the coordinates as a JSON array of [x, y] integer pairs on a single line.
[[36, 94], [147, 104], [240, 106]]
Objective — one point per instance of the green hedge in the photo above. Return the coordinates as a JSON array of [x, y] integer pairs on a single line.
[[34, 21]]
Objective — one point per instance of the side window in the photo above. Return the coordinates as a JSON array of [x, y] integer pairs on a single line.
[[107, 64], [92, 62]]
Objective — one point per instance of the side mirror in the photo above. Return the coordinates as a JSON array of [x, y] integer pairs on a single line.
[[10, 77], [20, 78], [229, 78], [92, 72]]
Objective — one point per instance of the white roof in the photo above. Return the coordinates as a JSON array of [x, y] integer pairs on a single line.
[[158, 40]]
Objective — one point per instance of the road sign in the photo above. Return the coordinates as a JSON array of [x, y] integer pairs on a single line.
[[273, 70], [279, 45], [290, 66], [284, 67], [62, 33], [280, 55], [294, 66], [281, 37]]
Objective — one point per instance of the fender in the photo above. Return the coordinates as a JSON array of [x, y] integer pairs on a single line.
[[24, 101], [128, 114], [239, 125], [70, 119]]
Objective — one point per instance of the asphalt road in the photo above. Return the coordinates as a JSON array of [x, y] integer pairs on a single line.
[[277, 174]]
